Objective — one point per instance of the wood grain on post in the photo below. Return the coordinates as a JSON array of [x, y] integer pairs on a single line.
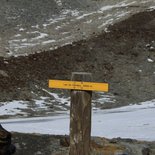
[[80, 117]]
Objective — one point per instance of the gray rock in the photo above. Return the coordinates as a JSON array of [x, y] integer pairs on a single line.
[[146, 151], [3, 73]]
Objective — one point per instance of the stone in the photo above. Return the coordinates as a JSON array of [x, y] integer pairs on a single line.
[[6, 148], [145, 151]]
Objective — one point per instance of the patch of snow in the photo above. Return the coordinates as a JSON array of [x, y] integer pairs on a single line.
[[10, 52], [109, 19], [58, 27], [44, 98], [57, 98], [24, 40], [75, 13], [89, 21], [13, 17], [105, 98], [17, 35], [150, 60], [152, 48], [84, 15], [121, 122], [48, 42], [123, 14], [58, 2], [106, 30], [17, 44], [66, 38], [54, 48], [151, 8], [45, 25], [24, 45], [121, 4], [147, 45], [40, 36], [106, 23], [108, 7], [6, 62], [35, 26], [12, 108], [143, 2], [22, 29], [65, 32], [14, 41], [67, 43], [33, 127], [40, 104], [133, 121], [100, 18], [134, 107], [55, 20], [107, 16], [72, 13]]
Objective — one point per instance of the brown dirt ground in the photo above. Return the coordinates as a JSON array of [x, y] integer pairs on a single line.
[[27, 144]]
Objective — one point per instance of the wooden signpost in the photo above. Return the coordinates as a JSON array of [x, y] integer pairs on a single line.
[[81, 86]]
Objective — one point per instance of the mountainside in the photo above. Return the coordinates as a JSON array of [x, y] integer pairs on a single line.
[[32, 26], [42, 40], [124, 57]]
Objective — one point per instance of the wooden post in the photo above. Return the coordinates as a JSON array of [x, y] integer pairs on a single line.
[[81, 88], [80, 117]]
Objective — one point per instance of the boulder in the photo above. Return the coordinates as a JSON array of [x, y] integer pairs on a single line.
[[6, 148]]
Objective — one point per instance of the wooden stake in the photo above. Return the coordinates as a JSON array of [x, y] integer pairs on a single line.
[[80, 117]]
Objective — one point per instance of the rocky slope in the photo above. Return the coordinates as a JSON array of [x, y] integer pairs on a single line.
[[124, 57], [27, 27]]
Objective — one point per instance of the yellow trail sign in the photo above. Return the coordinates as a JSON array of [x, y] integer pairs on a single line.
[[78, 85]]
